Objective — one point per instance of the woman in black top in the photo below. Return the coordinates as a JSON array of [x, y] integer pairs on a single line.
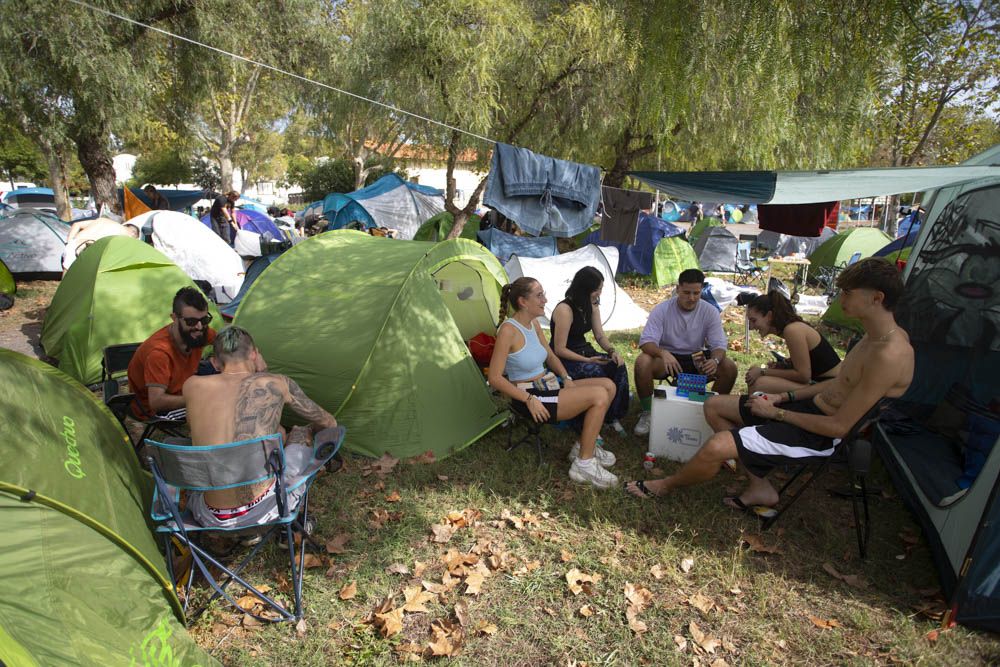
[[572, 319], [811, 359]]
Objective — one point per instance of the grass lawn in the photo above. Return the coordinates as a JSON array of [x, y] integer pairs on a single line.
[[503, 562]]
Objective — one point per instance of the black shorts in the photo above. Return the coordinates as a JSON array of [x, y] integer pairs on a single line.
[[763, 443], [549, 398]]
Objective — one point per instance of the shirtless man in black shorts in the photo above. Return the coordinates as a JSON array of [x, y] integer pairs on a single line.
[[781, 431], [241, 402]]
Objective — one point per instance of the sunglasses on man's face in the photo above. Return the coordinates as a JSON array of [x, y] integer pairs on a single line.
[[191, 321]]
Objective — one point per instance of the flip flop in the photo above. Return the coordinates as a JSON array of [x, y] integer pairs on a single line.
[[641, 485], [760, 511]]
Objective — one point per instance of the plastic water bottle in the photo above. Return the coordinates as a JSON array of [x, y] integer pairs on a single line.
[[649, 461]]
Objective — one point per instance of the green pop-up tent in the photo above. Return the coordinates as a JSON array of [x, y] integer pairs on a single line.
[[672, 255], [120, 290], [437, 228], [82, 581], [6, 280], [374, 330], [837, 250]]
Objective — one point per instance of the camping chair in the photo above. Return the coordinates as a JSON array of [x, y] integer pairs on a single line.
[[746, 269], [533, 433], [114, 364], [855, 451], [177, 467], [827, 277]]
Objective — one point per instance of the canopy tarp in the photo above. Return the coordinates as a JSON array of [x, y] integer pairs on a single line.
[[807, 187], [83, 581], [375, 331], [120, 290]]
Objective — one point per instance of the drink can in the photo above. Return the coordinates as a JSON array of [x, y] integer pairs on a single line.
[[649, 461]]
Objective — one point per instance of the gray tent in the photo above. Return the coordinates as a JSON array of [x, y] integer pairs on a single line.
[[789, 245], [32, 241], [716, 250], [950, 481]]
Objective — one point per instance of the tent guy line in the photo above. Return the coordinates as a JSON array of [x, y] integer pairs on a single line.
[[390, 107]]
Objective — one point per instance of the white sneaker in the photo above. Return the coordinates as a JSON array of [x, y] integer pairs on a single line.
[[593, 474], [617, 426], [605, 458], [642, 426]]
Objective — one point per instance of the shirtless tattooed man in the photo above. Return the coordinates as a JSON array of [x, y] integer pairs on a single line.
[[241, 402], [779, 430]]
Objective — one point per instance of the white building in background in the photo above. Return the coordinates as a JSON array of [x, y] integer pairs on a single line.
[[124, 164]]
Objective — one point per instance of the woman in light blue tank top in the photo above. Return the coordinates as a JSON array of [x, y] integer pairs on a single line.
[[523, 367]]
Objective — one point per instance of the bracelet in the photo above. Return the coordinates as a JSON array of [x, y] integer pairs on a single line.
[[780, 416], [791, 395]]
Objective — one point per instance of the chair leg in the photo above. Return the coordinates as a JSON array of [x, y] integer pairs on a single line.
[[534, 432], [862, 516], [767, 523]]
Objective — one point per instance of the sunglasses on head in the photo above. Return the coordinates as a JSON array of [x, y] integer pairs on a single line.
[[191, 321]]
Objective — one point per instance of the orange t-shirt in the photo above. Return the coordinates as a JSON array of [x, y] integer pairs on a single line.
[[158, 363]]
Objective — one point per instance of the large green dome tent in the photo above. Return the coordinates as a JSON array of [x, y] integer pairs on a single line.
[[374, 330], [438, 227], [120, 290], [837, 250], [83, 582]]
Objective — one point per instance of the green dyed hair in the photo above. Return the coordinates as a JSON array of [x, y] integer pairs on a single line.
[[233, 343]]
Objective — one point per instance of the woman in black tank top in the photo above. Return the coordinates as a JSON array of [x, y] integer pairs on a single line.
[[575, 317], [810, 355]]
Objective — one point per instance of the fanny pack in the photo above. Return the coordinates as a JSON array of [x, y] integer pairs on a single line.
[[548, 382]]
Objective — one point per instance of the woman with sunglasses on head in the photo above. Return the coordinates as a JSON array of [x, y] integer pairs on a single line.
[[524, 368], [572, 319], [811, 360]]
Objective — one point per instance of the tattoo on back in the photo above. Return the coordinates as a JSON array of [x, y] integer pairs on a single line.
[[258, 406]]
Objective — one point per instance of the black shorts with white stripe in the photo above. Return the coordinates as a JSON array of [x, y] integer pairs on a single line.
[[549, 398], [764, 444]]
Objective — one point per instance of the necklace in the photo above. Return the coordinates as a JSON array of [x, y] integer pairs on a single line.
[[245, 372], [886, 335]]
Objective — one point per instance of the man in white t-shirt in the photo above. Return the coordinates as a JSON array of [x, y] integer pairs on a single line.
[[682, 335]]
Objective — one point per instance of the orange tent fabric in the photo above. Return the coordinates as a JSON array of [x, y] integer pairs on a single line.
[[133, 205]]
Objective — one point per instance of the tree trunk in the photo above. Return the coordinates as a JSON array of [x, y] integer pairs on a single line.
[[56, 159], [225, 171], [92, 149], [360, 173]]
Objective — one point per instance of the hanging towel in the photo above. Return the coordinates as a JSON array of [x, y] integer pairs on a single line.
[[620, 217], [541, 193], [798, 219]]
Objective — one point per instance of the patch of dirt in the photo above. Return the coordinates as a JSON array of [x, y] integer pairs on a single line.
[[21, 325]]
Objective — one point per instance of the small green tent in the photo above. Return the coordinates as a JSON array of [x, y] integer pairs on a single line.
[[120, 290], [837, 250], [374, 330], [82, 581], [437, 228], [672, 255], [7, 285], [698, 228], [835, 316]]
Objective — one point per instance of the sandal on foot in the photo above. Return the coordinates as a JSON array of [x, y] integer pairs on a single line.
[[645, 490], [760, 511]]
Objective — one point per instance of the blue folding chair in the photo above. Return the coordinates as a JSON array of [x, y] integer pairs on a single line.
[[256, 461]]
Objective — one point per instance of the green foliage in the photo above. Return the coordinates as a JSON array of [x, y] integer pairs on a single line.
[[205, 174], [164, 168], [325, 177], [19, 157]]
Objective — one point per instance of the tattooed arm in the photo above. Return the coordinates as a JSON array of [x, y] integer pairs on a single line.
[[306, 408]]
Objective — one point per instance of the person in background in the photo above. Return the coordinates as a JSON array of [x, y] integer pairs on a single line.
[[523, 368], [157, 202], [222, 215], [572, 319], [85, 232]]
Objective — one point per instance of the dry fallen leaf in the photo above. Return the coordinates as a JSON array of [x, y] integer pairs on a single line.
[[579, 581], [384, 465], [312, 560], [701, 602], [852, 580], [301, 627], [640, 598], [550, 612], [462, 612], [393, 497], [447, 641], [398, 568], [335, 545], [390, 623], [687, 564], [442, 532], [757, 544], [824, 623], [473, 583], [442, 478], [657, 572], [484, 628], [566, 556], [247, 602], [433, 587], [349, 591], [415, 599], [586, 611], [706, 642], [425, 458], [681, 642]]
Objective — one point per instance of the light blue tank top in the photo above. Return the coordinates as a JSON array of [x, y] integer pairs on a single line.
[[527, 362]]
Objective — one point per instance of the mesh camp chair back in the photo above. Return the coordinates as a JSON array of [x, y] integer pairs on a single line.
[[217, 467]]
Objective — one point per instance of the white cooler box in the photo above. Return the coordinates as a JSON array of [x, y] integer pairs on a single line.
[[678, 427]]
